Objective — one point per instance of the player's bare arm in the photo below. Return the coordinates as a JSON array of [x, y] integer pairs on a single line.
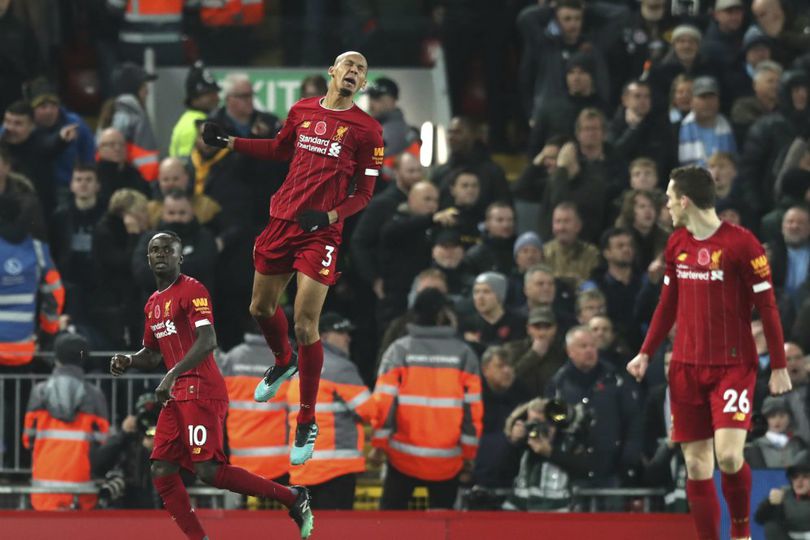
[[204, 344], [637, 367], [146, 360]]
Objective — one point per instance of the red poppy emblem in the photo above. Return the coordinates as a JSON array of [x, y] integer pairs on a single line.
[[320, 128], [703, 257], [157, 311]]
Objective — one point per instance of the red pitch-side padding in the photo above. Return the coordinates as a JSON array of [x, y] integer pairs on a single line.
[[249, 525]]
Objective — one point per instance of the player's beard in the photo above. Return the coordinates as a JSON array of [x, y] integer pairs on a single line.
[[345, 92]]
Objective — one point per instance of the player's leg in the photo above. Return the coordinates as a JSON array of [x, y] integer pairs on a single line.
[[265, 309], [703, 503], [731, 414]]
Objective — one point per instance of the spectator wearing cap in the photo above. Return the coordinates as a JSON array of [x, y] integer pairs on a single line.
[[637, 129], [545, 54], [722, 42], [33, 153], [588, 174], [496, 250], [502, 392], [430, 410], [447, 255], [31, 292], [405, 242], [746, 110], [123, 460], [539, 355], [683, 58], [398, 136], [556, 115], [202, 97], [465, 191], [620, 282], [127, 114], [467, 151], [786, 24], [779, 447], [570, 258], [492, 323], [345, 405], [20, 57], [50, 117], [705, 130], [365, 240], [785, 514], [771, 135], [528, 252], [65, 403], [614, 437], [114, 169]]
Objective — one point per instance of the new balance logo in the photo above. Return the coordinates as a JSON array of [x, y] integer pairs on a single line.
[[334, 149]]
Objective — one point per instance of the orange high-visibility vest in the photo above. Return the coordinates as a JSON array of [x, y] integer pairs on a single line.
[[344, 402], [61, 448], [429, 394], [257, 432], [231, 12], [150, 22], [146, 161]]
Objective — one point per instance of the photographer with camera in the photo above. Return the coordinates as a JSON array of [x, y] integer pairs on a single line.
[[611, 401], [123, 460], [554, 455]]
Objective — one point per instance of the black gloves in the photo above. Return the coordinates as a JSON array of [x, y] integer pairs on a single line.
[[312, 220], [214, 135]]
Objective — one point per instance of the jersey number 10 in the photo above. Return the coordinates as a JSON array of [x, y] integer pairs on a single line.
[[197, 435]]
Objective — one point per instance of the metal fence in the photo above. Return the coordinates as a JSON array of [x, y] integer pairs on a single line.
[[121, 393]]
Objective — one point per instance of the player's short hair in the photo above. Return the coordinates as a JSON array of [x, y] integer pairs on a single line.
[[497, 204], [570, 4], [695, 183], [21, 108], [642, 162], [588, 295], [171, 234], [534, 269], [492, 352], [231, 80], [610, 234], [589, 113], [453, 178], [718, 156], [627, 213], [583, 328]]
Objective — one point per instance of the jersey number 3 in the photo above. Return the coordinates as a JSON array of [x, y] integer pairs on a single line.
[[197, 435], [736, 402], [327, 261]]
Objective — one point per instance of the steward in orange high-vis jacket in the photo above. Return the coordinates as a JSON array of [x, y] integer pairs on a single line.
[[429, 393], [66, 418], [344, 404], [258, 437]]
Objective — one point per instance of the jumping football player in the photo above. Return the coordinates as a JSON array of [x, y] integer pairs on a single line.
[[179, 330], [715, 274], [336, 151]]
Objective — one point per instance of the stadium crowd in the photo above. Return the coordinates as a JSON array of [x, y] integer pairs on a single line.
[[547, 281]]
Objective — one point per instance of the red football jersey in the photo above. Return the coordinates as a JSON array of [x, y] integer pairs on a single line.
[[710, 287], [329, 149], [172, 318]]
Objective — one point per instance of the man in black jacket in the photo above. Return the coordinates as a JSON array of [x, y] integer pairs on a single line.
[[495, 252]]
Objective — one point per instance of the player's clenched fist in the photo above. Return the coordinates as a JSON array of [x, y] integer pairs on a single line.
[[214, 135], [637, 367], [120, 363]]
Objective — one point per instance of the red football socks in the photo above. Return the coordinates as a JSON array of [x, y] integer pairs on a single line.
[[275, 329], [737, 491], [704, 507], [175, 499], [310, 362], [241, 481]]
